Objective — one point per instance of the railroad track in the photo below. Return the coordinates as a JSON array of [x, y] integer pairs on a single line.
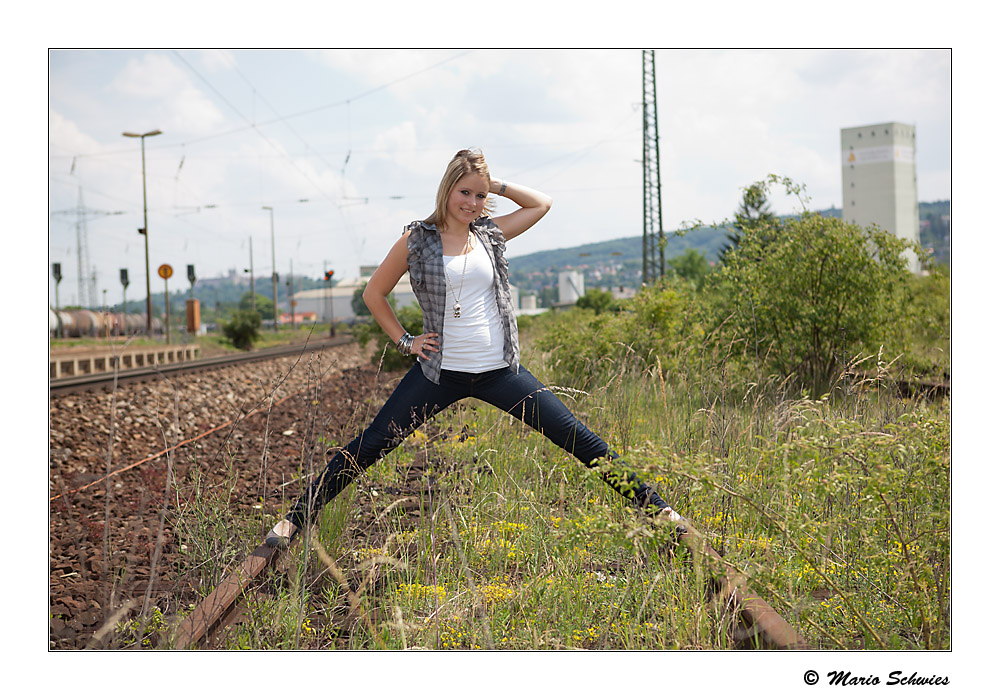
[[755, 624], [92, 382]]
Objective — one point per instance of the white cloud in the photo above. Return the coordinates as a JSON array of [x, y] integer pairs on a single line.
[[67, 137], [173, 101], [217, 59]]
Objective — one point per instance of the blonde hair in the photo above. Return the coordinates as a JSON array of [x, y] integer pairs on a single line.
[[463, 163]]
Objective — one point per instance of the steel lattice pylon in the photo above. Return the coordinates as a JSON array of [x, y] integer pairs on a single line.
[[86, 276], [653, 240]]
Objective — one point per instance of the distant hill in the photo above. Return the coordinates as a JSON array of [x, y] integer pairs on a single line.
[[618, 262]]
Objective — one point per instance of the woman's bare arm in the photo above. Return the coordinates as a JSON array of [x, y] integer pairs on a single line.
[[376, 295], [534, 205]]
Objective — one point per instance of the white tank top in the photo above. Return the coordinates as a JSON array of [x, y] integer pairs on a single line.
[[474, 341]]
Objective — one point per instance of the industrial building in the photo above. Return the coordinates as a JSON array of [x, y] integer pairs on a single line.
[[880, 179]]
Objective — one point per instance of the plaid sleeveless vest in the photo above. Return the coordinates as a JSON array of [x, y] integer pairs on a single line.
[[426, 262]]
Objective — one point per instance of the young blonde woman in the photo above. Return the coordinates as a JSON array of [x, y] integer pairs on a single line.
[[469, 347]]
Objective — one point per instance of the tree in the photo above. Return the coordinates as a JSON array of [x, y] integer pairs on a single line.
[[754, 213], [243, 329], [646, 330], [691, 266], [805, 292], [358, 303], [264, 305]]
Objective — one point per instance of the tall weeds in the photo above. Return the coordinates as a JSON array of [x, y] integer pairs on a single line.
[[478, 533]]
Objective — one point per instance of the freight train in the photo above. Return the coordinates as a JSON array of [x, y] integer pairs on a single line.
[[82, 323]]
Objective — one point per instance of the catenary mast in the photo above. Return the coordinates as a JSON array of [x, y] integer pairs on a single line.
[[653, 240]]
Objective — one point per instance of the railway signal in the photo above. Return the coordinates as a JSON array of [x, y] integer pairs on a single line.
[[123, 274], [328, 276], [166, 272], [57, 274]]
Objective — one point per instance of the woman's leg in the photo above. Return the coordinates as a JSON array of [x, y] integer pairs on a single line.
[[523, 396], [415, 400]]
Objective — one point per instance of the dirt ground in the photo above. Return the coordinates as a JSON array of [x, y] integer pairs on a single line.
[[248, 438]]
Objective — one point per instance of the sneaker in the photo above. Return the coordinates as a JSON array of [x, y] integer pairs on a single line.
[[672, 517], [281, 534]]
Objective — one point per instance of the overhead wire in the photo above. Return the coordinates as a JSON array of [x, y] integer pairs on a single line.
[[252, 123], [255, 127]]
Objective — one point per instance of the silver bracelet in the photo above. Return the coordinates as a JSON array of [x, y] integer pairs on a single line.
[[405, 343], [503, 188]]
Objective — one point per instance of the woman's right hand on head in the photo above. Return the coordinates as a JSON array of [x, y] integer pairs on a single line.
[[423, 344]]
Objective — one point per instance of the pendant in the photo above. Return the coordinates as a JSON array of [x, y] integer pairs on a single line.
[[458, 310]]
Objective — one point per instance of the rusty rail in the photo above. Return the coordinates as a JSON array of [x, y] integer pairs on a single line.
[[212, 612], [760, 625]]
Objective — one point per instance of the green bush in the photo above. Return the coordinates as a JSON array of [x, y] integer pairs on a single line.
[[243, 329], [926, 323], [691, 266], [809, 293], [598, 300], [649, 329]]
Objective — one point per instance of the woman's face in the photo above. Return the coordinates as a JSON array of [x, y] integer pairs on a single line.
[[467, 199]]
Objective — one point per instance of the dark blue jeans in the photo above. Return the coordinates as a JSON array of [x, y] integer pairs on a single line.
[[417, 399]]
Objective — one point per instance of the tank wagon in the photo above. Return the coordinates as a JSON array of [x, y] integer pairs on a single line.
[[83, 323]]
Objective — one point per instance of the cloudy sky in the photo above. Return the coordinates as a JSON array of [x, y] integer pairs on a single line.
[[347, 146]]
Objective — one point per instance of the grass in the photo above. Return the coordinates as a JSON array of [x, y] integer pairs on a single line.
[[477, 533]]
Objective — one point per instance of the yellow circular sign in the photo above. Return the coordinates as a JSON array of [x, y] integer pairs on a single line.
[[166, 271]]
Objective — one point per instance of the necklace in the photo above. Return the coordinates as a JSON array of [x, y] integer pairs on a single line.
[[457, 309]]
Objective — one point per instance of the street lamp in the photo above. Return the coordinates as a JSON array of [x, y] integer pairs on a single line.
[[274, 272], [145, 222]]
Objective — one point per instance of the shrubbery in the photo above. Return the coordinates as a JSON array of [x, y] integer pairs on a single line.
[[243, 329], [646, 329], [812, 292], [800, 299]]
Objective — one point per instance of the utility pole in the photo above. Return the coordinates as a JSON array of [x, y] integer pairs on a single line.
[[274, 273], [291, 292], [328, 306], [653, 240], [84, 273], [144, 231], [253, 296]]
